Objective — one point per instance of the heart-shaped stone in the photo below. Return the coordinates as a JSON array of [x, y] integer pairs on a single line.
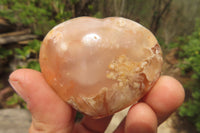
[[100, 66]]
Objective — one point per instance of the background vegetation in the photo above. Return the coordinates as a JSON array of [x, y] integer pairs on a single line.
[[176, 23]]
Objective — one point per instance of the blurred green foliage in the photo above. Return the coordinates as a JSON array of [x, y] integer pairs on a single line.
[[78, 116], [189, 53], [16, 99], [39, 15], [25, 52], [29, 54], [4, 53]]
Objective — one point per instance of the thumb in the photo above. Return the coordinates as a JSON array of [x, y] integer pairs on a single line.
[[49, 113]]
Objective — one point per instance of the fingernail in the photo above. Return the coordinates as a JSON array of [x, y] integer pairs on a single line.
[[18, 88]]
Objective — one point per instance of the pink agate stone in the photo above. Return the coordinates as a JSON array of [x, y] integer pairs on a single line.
[[100, 66]]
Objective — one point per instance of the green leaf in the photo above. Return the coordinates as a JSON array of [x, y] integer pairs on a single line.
[[14, 100], [33, 65]]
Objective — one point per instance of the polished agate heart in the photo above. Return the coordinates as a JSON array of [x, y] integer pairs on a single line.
[[100, 66]]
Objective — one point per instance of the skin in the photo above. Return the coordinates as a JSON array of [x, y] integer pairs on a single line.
[[50, 114]]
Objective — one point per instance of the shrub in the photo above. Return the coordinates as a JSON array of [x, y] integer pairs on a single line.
[[190, 65], [39, 15]]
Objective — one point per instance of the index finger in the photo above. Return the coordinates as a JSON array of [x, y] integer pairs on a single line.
[[165, 97]]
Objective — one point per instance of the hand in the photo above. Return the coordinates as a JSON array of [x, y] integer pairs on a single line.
[[52, 115]]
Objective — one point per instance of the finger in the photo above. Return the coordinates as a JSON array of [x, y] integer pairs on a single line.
[[140, 119], [165, 97], [49, 112], [96, 125]]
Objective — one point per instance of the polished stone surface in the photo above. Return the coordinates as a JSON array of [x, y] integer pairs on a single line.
[[100, 66]]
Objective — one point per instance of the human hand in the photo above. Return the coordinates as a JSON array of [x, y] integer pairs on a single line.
[[52, 115]]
